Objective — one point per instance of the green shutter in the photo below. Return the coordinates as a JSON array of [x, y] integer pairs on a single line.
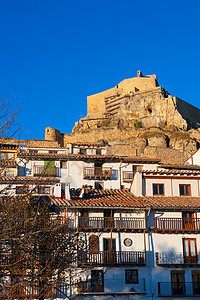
[[49, 167]]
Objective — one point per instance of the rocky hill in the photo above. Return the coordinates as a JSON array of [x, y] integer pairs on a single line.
[[137, 118]]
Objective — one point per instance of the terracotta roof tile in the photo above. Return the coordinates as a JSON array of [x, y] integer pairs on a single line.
[[184, 166], [27, 179], [67, 156], [125, 199], [171, 172], [86, 157]]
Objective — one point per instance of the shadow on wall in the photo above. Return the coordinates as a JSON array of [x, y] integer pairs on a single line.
[[114, 174]]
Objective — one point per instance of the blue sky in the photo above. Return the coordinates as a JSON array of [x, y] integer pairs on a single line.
[[55, 53]]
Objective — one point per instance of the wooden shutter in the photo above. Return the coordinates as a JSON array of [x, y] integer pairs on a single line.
[[93, 244]]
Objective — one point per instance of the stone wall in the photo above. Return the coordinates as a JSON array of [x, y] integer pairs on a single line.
[[42, 143]]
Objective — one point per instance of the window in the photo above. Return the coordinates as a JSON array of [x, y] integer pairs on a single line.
[[82, 151], [98, 185], [10, 155], [131, 276], [9, 173], [2, 155], [178, 282], [93, 244], [22, 190], [188, 220], [97, 281], [44, 190], [190, 251], [63, 164], [196, 281], [53, 151], [33, 151], [158, 189], [7, 155], [98, 152], [185, 189]]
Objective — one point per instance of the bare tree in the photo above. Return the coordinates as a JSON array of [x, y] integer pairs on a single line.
[[9, 124], [35, 249]]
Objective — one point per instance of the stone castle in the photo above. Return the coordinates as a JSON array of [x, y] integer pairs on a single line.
[[137, 118]]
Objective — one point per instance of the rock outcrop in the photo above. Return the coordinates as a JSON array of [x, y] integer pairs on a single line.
[[138, 117]]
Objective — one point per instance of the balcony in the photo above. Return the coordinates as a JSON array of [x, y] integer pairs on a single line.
[[49, 171], [97, 173], [116, 258], [168, 259], [127, 176], [59, 220], [86, 287], [19, 259], [180, 289], [107, 223], [177, 225], [27, 291]]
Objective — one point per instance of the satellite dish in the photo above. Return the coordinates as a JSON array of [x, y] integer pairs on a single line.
[[67, 179]]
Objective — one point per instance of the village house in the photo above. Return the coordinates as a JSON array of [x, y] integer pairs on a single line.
[[139, 217]]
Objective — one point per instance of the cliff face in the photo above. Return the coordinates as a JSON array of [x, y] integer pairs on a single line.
[[138, 117]]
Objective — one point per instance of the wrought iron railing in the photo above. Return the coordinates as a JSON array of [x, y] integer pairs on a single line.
[[113, 258], [116, 223], [171, 258], [85, 287], [170, 289]]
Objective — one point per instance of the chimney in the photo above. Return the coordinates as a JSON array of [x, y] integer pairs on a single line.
[[136, 185], [85, 191]]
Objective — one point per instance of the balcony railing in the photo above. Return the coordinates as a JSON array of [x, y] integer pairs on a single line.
[[27, 291], [136, 258], [170, 289], [60, 220], [85, 287], [19, 259], [177, 224], [111, 223], [127, 176], [170, 258], [44, 171], [97, 173]]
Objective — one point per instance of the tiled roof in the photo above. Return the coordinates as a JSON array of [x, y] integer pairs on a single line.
[[171, 172], [67, 156], [88, 157], [7, 146], [28, 179], [139, 159], [89, 144], [125, 199], [184, 167]]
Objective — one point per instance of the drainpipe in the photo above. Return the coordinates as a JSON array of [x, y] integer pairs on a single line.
[[120, 177], [149, 259]]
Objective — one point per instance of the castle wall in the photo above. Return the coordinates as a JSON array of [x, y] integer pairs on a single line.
[[188, 112], [96, 103]]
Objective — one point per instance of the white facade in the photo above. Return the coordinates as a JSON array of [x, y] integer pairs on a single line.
[[157, 245]]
